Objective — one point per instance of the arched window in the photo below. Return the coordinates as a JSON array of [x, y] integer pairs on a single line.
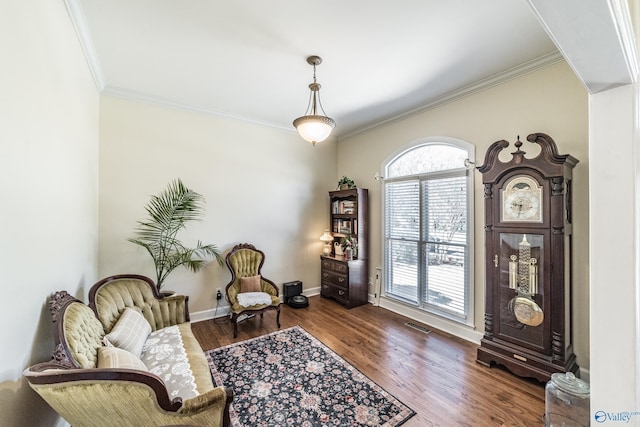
[[428, 221]]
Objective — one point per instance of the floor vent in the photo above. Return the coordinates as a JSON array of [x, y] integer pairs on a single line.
[[418, 327]]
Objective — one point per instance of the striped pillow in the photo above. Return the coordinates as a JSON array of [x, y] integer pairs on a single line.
[[129, 333], [114, 357]]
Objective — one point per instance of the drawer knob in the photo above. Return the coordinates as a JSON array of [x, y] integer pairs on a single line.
[[341, 279], [341, 292], [325, 274]]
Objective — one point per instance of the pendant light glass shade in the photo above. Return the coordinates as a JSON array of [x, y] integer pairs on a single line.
[[314, 127]]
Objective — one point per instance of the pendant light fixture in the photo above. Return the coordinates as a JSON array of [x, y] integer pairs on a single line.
[[314, 126]]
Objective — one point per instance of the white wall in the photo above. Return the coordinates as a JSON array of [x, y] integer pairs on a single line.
[[262, 186], [614, 246], [551, 100], [49, 171]]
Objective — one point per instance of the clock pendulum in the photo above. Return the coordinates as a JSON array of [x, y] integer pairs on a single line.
[[523, 278]]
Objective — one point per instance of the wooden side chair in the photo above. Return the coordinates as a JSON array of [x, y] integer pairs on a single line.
[[249, 292]]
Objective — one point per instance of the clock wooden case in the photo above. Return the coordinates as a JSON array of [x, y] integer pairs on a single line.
[[528, 231]]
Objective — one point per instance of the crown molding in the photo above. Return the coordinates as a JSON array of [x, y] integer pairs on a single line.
[[478, 86], [149, 99], [495, 80], [79, 21], [622, 20]]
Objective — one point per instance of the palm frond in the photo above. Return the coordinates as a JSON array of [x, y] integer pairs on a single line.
[[168, 213]]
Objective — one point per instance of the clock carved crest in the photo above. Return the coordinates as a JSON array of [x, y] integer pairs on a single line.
[[527, 231]]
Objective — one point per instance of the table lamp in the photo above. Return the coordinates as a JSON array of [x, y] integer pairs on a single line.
[[327, 238]]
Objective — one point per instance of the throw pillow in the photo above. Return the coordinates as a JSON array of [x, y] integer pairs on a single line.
[[114, 357], [130, 332], [250, 284]]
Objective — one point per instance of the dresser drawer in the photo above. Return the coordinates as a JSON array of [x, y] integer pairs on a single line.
[[340, 267], [332, 291], [334, 278]]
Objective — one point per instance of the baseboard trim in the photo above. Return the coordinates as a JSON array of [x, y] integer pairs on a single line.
[[585, 374], [200, 316], [223, 309]]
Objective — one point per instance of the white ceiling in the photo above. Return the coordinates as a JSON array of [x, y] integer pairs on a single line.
[[247, 59]]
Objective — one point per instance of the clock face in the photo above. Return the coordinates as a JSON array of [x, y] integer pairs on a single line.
[[522, 200]]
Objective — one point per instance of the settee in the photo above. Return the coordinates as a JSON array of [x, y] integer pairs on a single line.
[[96, 377]]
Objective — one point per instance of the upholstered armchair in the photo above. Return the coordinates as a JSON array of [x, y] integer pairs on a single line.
[[245, 263]]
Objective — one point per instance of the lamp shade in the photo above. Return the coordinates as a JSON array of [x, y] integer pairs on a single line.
[[314, 128], [326, 237]]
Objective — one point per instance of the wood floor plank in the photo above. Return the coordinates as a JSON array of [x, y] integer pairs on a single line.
[[435, 374]]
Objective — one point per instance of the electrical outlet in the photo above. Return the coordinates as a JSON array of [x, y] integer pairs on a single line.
[[219, 294]]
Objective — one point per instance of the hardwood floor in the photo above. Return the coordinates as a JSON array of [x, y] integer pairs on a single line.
[[435, 374]]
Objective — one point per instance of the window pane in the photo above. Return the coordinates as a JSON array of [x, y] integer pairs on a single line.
[[444, 210], [402, 210], [446, 283], [427, 158], [402, 269], [402, 230]]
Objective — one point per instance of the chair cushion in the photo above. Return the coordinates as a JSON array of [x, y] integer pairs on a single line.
[[114, 357], [248, 299], [250, 284], [130, 332]]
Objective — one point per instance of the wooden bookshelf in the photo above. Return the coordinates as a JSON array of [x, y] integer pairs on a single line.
[[342, 279]]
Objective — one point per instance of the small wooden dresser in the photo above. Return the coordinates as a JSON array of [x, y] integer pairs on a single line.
[[344, 281]]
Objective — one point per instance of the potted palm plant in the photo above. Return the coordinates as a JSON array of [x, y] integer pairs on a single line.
[[168, 213]]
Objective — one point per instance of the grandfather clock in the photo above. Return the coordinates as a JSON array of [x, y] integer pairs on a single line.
[[528, 260]]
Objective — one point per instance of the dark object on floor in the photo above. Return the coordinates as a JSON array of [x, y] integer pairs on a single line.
[[298, 301], [291, 290]]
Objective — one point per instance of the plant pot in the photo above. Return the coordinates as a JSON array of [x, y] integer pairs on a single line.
[[166, 293], [344, 186]]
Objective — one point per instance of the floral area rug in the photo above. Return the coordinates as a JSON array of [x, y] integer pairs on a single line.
[[290, 378]]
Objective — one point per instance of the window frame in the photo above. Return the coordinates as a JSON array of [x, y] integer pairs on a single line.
[[469, 303]]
